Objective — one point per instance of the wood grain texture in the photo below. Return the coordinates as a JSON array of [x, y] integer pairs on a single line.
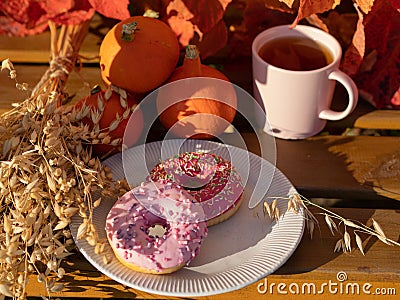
[[361, 169], [314, 262], [380, 119], [79, 83]]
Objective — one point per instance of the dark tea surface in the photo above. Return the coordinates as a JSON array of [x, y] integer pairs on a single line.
[[296, 54]]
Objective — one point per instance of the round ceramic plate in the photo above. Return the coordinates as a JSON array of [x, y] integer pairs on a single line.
[[236, 253]]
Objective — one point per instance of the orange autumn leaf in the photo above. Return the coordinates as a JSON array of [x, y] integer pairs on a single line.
[[365, 5], [289, 3], [199, 20], [310, 7]]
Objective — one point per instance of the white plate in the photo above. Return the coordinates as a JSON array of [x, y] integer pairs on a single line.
[[236, 253]]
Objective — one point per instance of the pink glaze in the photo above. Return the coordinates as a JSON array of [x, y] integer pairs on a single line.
[[128, 223], [209, 178]]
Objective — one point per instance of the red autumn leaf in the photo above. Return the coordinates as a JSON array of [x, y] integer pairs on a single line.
[[26, 17], [214, 14], [112, 9], [379, 75], [69, 12], [395, 101], [10, 27], [23, 11], [22, 17], [213, 40], [355, 53]]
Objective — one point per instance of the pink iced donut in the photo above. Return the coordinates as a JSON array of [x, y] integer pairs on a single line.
[[129, 221], [209, 178]]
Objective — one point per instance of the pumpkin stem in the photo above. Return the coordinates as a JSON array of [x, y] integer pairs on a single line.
[[128, 31], [192, 62], [191, 52]]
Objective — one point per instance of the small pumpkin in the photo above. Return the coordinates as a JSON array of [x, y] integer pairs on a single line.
[[138, 54], [197, 108], [109, 114]]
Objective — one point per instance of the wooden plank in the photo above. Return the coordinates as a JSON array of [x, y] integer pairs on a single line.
[[380, 119], [78, 85], [313, 262], [36, 48], [363, 169]]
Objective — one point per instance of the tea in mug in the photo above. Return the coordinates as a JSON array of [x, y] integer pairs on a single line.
[[296, 54]]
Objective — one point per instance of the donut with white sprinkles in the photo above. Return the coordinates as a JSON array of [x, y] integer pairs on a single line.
[[209, 178], [128, 226]]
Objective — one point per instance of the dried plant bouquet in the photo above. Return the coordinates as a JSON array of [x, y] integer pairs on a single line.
[[48, 173]]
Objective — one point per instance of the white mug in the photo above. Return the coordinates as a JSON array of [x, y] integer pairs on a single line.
[[297, 104]]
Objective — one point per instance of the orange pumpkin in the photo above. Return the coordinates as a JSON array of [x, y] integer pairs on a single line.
[[138, 54], [112, 108], [197, 108]]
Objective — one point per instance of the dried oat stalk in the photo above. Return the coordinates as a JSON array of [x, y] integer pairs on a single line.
[[47, 175], [336, 223]]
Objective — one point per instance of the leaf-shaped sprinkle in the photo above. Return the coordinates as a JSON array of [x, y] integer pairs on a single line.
[[331, 224], [359, 243], [378, 228], [347, 241]]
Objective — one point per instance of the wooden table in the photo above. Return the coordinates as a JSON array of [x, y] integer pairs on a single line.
[[357, 176]]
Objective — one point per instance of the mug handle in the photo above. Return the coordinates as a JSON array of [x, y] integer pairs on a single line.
[[352, 91]]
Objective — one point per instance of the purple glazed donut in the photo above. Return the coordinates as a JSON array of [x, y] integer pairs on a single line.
[[129, 221]]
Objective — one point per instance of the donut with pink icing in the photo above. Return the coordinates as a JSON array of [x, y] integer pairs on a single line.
[[209, 178], [129, 222]]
